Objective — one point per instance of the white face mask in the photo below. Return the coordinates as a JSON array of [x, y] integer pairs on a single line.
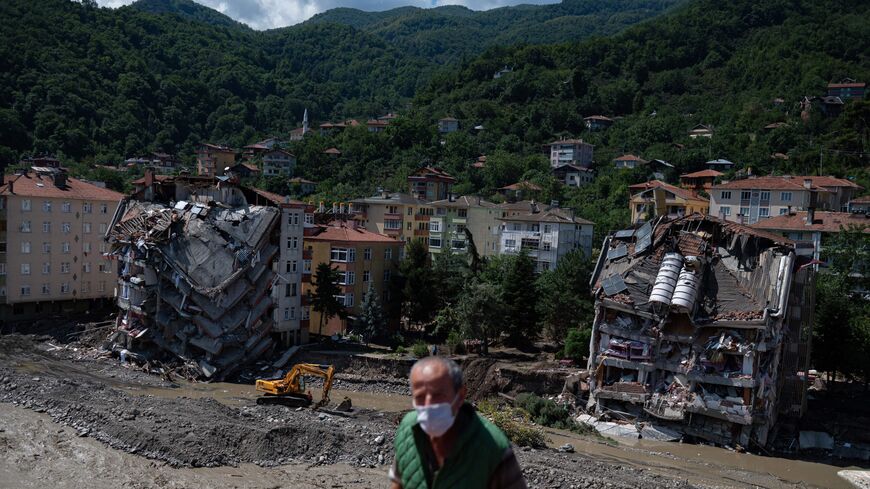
[[436, 419]]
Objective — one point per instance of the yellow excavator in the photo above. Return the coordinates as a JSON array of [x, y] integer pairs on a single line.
[[290, 390]]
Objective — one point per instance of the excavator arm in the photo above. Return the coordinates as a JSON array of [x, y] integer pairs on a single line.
[[291, 385]]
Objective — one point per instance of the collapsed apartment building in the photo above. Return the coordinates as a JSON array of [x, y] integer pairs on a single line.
[[702, 327], [208, 270]]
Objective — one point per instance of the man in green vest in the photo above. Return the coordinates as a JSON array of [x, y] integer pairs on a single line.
[[444, 443]]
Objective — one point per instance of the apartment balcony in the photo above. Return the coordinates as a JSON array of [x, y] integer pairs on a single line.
[[307, 254], [421, 217], [393, 216], [392, 232], [421, 232]]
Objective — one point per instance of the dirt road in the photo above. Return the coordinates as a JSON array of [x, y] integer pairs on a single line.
[[91, 422]]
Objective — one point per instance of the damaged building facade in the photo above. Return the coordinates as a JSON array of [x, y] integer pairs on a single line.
[[702, 327], [208, 270]]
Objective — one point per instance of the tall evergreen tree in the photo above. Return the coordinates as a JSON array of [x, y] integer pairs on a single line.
[[520, 296], [418, 291], [323, 300], [564, 299], [372, 322]]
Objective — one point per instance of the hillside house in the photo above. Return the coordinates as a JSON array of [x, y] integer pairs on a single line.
[[278, 162], [847, 89], [597, 122], [212, 159], [430, 183], [629, 161], [700, 180], [447, 125], [573, 175], [546, 233], [570, 152], [701, 131], [810, 229], [656, 198]]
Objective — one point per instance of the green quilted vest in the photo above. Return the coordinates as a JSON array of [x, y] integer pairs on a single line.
[[477, 453]]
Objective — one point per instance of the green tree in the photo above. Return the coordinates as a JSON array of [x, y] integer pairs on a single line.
[[418, 290], [479, 312], [372, 321], [565, 301], [449, 271], [323, 299], [520, 295]]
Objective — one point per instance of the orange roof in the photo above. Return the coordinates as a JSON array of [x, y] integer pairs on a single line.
[[829, 181], [524, 185], [628, 157], [157, 178], [703, 174], [332, 151], [679, 192], [823, 221], [861, 200], [32, 185], [340, 232], [776, 183], [431, 172]]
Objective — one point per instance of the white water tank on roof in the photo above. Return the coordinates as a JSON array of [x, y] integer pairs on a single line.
[[686, 291], [666, 280]]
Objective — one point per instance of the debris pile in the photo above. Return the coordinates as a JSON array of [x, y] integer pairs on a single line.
[[701, 327], [195, 280]]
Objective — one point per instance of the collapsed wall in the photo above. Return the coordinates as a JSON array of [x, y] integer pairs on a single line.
[[702, 326], [195, 279]]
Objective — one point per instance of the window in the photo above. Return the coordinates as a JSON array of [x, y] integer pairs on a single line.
[[292, 243], [46, 289], [46, 206], [348, 299], [785, 196], [463, 212], [101, 287], [287, 315], [765, 195], [292, 266], [545, 245], [441, 211], [387, 275], [305, 313], [25, 269], [435, 242], [306, 266], [66, 227], [435, 226], [343, 255], [86, 267], [725, 195], [367, 254], [25, 205], [64, 267], [389, 224], [103, 268], [46, 247], [86, 247], [25, 226], [346, 278], [103, 228], [25, 290], [510, 243], [726, 210], [103, 247], [46, 227], [293, 219], [764, 212], [545, 265], [64, 288], [309, 218], [66, 207], [86, 287], [517, 226], [783, 211], [367, 276], [458, 244], [46, 268], [2, 291], [388, 253], [25, 247], [547, 228], [86, 228], [2, 269], [744, 211], [87, 207], [104, 209], [410, 211], [65, 247], [460, 228], [745, 195]]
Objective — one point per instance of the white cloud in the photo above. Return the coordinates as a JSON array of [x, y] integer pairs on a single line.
[[269, 14]]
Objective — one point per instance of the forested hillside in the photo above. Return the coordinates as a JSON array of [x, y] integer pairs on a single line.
[[97, 84]]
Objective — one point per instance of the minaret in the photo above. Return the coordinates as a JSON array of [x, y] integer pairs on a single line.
[[305, 122]]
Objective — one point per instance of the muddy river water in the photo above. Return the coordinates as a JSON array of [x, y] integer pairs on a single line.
[[705, 465]]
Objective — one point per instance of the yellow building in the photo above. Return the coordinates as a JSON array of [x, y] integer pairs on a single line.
[[211, 159], [397, 215], [361, 257], [654, 198], [51, 243]]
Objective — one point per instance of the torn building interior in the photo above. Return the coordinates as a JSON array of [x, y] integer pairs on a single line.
[[199, 275], [702, 326]]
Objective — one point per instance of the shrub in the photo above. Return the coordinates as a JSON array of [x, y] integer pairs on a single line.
[[455, 342], [547, 413], [514, 423], [577, 344], [401, 350], [420, 349]]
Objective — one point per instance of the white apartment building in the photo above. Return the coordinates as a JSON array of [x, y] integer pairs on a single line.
[[570, 152], [752, 199], [278, 162], [52, 251], [546, 233], [290, 314]]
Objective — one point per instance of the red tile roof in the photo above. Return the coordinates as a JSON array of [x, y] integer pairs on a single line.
[[861, 200], [823, 221], [629, 157], [524, 185], [431, 172], [703, 174], [775, 183], [332, 151], [679, 192], [32, 185], [340, 232], [829, 181], [847, 85]]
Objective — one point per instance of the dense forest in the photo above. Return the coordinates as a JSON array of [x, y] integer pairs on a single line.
[[90, 83]]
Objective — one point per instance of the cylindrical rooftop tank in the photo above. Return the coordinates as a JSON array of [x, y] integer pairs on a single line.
[[666, 280], [686, 291]]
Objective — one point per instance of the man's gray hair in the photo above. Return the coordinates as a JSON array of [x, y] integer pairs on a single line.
[[452, 367]]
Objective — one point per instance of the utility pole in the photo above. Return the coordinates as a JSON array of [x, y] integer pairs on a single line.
[[821, 148]]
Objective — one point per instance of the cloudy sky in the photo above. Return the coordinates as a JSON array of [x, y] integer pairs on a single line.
[[268, 14]]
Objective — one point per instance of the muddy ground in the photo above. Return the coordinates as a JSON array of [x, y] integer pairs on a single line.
[[61, 409]]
